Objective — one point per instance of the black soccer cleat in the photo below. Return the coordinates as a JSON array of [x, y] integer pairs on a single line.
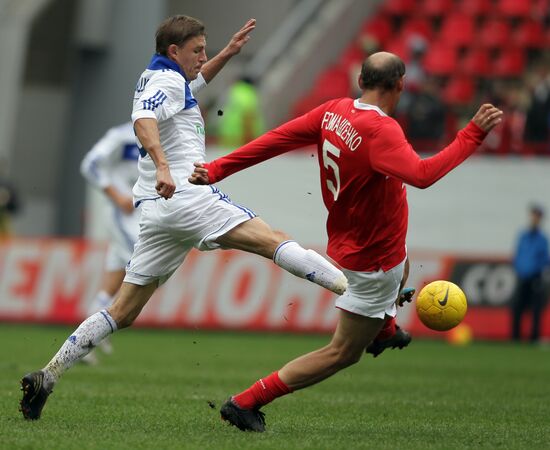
[[400, 339], [243, 419], [34, 395]]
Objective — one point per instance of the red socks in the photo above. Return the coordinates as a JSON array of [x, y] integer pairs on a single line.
[[387, 331], [262, 392]]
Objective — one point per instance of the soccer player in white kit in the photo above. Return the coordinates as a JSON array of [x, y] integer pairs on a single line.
[[176, 215], [111, 166]]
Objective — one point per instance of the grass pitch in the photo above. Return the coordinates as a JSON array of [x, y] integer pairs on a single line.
[[157, 390]]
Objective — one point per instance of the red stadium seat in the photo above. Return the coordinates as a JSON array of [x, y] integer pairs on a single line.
[[530, 34], [495, 33], [353, 54], [399, 7], [476, 7], [477, 63], [417, 25], [436, 8], [458, 30], [441, 59], [459, 90], [333, 82], [305, 104], [380, 28], [514, 8], [399, 47], [510, 63]]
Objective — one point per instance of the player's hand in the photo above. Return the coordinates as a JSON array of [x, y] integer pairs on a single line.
[[240, 38], [200, 175], [487, 117], [165, 184]]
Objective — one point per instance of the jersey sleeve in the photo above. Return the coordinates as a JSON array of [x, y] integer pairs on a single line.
[[297, 133], [163, 97], [392, 155], [95, 166], [197, 84]]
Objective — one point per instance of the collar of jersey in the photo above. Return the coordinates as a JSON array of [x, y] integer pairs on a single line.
[[159, 62], [366, 106]]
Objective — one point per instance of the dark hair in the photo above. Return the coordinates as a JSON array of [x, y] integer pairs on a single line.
[[383, 75], [177, 30], [537, 209]]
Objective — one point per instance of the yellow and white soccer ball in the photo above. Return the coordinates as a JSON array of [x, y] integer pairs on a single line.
[[441, 305]]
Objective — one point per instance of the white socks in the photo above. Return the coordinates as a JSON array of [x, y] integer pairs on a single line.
[[85, 338], [308, 264]]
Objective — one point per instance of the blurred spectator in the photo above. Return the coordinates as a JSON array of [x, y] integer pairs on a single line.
[[425, 112], [508, 137], [8, 205], [241, 119], [538, 111], [416, 75], [531, 260]]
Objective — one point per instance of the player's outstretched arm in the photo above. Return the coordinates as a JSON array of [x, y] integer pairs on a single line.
[[211, 68], [297, 133], [395, 156]]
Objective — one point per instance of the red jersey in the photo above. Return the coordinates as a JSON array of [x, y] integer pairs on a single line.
[[365, 161]]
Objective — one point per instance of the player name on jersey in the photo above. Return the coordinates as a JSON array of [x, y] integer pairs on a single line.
[[343, 129]]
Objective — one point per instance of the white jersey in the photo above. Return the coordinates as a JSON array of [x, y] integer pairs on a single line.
[[112, 161], [163, 93]]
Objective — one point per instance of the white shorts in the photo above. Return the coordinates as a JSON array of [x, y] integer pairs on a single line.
[[124, 229], [169, 229], [372, 294]]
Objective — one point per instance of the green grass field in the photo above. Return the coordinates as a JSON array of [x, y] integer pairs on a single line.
[[154, 393]]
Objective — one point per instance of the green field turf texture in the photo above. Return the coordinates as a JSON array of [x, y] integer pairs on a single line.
[[154, 393]]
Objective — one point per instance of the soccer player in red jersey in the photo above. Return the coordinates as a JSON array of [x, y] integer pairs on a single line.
[[365, 162]]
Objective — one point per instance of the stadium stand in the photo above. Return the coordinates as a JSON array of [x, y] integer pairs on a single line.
[[470, 48]]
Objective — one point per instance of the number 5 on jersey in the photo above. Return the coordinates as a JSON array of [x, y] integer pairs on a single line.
[[330, 152]]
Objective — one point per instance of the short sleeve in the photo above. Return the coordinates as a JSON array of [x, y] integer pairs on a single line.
[[96, 165], [163, 97], [197, 84]]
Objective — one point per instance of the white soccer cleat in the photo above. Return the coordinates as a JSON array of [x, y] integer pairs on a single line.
[[90, 359], [106, 346]]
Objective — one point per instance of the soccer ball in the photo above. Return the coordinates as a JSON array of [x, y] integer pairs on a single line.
[[441, 305]]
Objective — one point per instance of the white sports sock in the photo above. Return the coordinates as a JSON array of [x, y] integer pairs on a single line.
[[85, 338], [102, 300], [310, 265]]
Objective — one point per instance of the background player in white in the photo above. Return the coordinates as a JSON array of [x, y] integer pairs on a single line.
[[111, 166], [175, 214]]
